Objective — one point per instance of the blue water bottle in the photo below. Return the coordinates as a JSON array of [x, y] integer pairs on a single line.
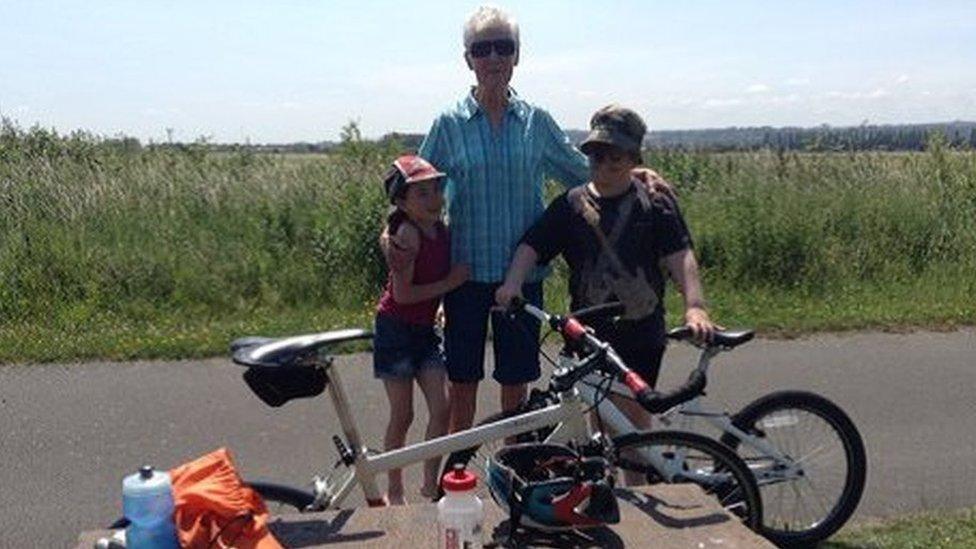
[[147, 501]]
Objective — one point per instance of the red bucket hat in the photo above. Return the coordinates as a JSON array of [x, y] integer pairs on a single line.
[[407, 169]]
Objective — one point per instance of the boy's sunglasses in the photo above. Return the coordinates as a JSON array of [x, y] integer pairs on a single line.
[[601, 154], [504, 47]]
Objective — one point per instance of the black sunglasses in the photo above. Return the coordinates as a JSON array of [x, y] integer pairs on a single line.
[[504, 47], [599, 154]]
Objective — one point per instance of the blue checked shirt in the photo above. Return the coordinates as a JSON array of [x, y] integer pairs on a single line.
[[495, 177]]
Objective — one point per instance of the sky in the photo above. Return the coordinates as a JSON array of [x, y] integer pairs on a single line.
[[284, 71]]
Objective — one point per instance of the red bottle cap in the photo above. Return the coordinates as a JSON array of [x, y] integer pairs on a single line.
[[459, 480]]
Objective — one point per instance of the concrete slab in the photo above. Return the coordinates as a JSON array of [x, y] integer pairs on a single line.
[[666, 516]]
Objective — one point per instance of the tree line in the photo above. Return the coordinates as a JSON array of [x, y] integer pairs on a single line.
[[866, 137], [824, 138]]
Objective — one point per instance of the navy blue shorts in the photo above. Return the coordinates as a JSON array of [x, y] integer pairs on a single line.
[[515, 342], [401, 349]]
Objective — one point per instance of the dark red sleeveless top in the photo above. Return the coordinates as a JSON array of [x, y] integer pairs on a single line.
[[433, 262]]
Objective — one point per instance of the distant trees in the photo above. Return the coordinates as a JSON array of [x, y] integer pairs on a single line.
[[904, 137], [898, 137]]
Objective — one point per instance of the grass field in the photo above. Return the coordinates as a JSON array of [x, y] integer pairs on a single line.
[[955, 530], [111, 250]]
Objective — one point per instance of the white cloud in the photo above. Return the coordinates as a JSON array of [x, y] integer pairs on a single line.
[[162, 111], [877, 93], [798, 81], [781, 99], [429, 76], [717, 103], [15, 110], [566, 62], [902, 79], [757, 88]]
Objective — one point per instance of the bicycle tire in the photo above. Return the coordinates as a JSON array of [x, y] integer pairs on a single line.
[[723, 473], [277, 497], [281, 498], [785, 409]]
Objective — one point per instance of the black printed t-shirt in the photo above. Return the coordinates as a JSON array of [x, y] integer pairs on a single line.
[[653, 230]]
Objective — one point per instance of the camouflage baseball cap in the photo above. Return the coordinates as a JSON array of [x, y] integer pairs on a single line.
[[617, 126]]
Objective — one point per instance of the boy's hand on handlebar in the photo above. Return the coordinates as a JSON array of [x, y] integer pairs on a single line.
[[701, 325], [506, 293]]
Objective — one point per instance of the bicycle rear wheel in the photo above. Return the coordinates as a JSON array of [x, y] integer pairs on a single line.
[[814, 495], [696, 459], [282, 499], [279, 498]]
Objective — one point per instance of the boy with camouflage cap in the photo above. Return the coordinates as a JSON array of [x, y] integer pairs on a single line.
[[615, 236]]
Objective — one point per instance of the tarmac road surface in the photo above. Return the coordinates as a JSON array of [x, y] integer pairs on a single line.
[[70, 432]]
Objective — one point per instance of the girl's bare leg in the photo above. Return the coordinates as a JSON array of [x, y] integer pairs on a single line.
[[433, 384], [399, 392]]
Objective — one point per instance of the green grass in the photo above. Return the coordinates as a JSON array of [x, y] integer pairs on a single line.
[[110, 250], [167, 335], [925, 531]]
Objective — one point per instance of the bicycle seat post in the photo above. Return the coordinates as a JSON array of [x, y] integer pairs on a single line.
[[341, 405]]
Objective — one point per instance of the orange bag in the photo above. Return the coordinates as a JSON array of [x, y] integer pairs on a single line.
[[214, 508]]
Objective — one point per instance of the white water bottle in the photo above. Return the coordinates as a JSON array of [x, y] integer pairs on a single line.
[[147, 501], [460, 513]]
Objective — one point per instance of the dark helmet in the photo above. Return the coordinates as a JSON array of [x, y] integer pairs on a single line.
[[550, 487]]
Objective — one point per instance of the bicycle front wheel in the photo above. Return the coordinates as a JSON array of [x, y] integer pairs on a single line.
[[816, 490], [679, 457]]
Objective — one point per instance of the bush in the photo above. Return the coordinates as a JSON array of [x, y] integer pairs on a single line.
[[112, 229]]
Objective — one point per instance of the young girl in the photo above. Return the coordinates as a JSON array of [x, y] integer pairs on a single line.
[[406, 347]]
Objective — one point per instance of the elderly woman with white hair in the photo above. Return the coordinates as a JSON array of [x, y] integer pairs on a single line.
[[497, 151]]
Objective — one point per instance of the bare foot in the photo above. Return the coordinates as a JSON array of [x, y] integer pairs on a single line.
[[395, 499]]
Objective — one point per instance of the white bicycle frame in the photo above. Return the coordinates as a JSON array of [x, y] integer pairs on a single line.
[[684, 415], [366, 464], [570, 426]]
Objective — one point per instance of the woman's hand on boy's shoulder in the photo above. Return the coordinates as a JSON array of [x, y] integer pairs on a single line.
[[654, 182], [460, 273]]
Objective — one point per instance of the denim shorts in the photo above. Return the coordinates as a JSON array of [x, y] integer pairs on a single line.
[[514, 341], [401, 349]]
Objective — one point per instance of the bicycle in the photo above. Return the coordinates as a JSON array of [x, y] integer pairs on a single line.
[[293, 367], [787, 439]]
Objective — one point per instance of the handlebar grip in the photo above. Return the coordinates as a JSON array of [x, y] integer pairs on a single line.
[[636, 384], [656, 403]]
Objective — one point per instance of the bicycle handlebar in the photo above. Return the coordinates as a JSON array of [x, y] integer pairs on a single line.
[[574, 331]]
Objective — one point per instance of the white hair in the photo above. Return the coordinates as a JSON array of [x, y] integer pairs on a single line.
[[488, 17]]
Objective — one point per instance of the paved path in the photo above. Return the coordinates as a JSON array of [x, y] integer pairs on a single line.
[[70, 432]]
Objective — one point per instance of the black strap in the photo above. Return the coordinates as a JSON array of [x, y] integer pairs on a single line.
[[247, 516], [586, 206]]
